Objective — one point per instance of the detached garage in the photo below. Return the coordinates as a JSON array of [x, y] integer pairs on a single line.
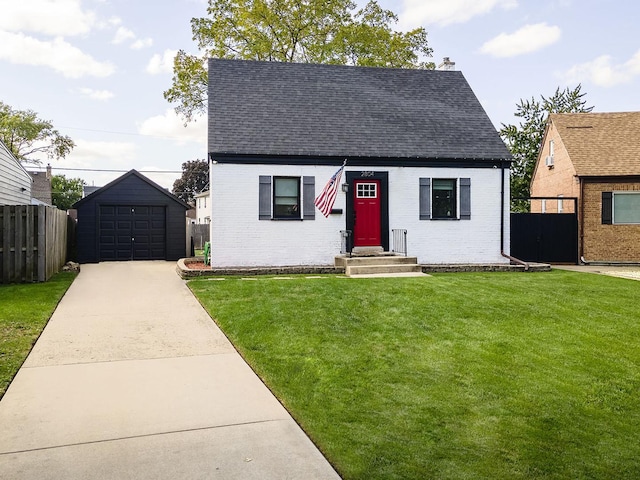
[[131, 218]]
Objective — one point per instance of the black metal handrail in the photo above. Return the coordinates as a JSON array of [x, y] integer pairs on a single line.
[[346, 243], [399, 237]]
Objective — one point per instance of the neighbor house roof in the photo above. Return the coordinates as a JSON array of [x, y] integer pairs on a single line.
[[601, 144], [296, 109]]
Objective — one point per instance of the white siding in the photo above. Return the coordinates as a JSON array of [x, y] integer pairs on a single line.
[[15, 182], [238, 238]]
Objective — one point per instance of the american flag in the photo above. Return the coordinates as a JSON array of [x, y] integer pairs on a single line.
[[327, 197]]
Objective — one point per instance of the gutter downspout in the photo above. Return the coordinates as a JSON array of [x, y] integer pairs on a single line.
[[512, 259], [581, 222]]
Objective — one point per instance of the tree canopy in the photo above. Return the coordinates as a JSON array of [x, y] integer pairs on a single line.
[[194, 180], [525, 140], [26, 136], [313, 31], [65, 191]]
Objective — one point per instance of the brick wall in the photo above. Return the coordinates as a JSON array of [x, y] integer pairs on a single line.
[[616, 243], [552, 182], [238, 238]]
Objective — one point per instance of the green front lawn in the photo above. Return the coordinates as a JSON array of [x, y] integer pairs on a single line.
[[478, 375], [24, 312]]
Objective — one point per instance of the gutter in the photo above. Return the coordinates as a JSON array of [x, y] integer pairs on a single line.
[[512, 259]]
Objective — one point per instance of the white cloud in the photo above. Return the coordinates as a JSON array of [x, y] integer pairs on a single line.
[[170, 126], [89, 153], [161, 63], [122, 35], [527, 39], [142, 43], [59, 17], [102, 95], [57, 54], [603, 72], [447, 12]]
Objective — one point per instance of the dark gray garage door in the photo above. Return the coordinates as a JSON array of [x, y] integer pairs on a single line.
[[132, 233]]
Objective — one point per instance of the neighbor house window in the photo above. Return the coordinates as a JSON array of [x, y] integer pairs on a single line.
[[626, 207], [560, 204], [444, 198], [621, 207]]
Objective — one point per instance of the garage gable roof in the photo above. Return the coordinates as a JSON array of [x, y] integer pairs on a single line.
[[131, 173], [297, 109]]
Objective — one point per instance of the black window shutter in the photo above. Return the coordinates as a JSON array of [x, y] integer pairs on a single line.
[[425, 199], [607, 208], [308, 198], [465, 199], [264, 198]]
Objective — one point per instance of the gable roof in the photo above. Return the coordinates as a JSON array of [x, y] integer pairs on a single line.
[[298, 109], [130, 173], [601, 144]]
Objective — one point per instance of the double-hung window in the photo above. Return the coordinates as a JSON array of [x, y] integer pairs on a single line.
[[286, 197], [445, 199], [443, 204]]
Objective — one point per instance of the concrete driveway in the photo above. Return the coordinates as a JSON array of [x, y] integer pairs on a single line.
[[631, 272], [131, 379]]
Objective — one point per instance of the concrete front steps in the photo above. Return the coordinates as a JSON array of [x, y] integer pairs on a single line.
[[380, 265]]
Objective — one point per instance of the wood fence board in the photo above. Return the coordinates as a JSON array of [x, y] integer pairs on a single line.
[[33, 242]]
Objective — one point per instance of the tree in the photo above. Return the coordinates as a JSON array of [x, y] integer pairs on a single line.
[[525, 140], [26, 135], [313, 31], [65, 191], [194, 180]]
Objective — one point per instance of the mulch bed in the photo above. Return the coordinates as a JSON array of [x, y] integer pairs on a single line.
[[197, 266]]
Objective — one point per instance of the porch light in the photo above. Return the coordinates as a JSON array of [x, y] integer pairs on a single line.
[[345, 187]]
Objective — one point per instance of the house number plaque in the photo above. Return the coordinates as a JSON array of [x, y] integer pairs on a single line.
[[366, 174]]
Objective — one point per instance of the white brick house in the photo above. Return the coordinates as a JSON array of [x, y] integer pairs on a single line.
[[421, 156]]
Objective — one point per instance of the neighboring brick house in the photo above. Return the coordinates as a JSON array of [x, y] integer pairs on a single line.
[[594, 157], [422, 156], [41, 189]]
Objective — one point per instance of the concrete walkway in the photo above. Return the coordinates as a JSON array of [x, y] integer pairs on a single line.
[[132, 380]]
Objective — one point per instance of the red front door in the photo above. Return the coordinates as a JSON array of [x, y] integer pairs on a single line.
[[366, 205]]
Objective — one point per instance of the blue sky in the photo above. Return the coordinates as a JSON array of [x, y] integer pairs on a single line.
[[97, 68]]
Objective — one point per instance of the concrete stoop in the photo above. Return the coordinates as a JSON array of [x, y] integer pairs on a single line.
[[381, 265]]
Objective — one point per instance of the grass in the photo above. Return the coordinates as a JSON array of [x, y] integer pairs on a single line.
[[24, 312], [478, 376]]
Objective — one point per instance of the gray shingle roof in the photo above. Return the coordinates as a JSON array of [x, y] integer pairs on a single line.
[[271, 108]]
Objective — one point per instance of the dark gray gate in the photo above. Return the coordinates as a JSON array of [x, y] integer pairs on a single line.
[[545, 237]]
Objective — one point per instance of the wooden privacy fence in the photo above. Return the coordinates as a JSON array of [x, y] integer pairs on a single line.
[[200, 234], [33, 242]]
